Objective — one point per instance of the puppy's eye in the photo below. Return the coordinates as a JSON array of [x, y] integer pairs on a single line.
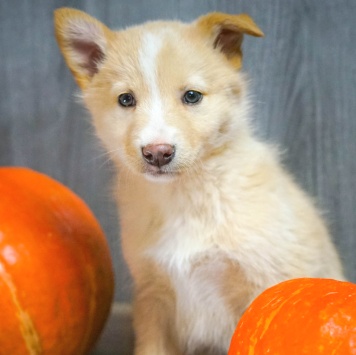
[[127, 100], [192, 97]]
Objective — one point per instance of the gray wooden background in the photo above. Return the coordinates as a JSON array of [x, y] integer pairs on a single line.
[[303, 80]]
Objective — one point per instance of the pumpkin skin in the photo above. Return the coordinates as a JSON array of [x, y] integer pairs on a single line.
[[300, 316], [56, 275]]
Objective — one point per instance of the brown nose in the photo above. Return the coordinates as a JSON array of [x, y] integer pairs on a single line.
[[158, 154]]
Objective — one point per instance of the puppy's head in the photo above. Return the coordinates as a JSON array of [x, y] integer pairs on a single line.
[[164, 96]]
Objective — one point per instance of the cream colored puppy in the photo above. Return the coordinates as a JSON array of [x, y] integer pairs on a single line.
[[209, 217]]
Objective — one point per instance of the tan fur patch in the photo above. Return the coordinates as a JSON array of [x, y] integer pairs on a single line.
[[155, 304]]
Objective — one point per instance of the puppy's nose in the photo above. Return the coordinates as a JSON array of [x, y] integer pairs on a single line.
[[158, 154]]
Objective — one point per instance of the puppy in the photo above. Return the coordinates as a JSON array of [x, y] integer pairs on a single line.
[[209, 217]]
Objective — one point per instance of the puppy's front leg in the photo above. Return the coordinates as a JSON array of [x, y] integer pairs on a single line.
[[154, 313]]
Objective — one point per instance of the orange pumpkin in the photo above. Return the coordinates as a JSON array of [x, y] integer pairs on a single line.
[[300, 316], [56, 277]]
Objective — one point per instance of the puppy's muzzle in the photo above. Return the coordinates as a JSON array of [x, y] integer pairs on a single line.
[[158, 154]]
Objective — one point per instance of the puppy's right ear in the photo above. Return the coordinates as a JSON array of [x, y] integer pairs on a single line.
[[226, 33], [83, 42]]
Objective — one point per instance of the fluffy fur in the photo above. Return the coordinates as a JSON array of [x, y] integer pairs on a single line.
[[206, 233]]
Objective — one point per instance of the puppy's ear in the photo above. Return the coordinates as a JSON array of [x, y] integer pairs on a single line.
[[226, 33], [83, 42]]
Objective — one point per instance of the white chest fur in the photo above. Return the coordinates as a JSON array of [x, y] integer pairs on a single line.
[[196, 271], [202, 315]]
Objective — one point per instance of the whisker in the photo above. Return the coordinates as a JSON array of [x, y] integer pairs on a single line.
[[107, 155]]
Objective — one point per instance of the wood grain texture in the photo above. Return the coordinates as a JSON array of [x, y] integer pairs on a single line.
[[303, 81]]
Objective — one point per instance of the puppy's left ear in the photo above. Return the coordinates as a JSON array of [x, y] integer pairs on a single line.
[[226, 33], [83, 41]]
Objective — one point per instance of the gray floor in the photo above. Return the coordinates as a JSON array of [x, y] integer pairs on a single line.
[[117, 337]]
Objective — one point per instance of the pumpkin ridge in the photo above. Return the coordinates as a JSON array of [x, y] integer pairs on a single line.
[[27, 328]]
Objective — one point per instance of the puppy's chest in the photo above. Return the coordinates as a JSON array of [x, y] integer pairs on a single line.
[[197, 269], [201, 309]]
